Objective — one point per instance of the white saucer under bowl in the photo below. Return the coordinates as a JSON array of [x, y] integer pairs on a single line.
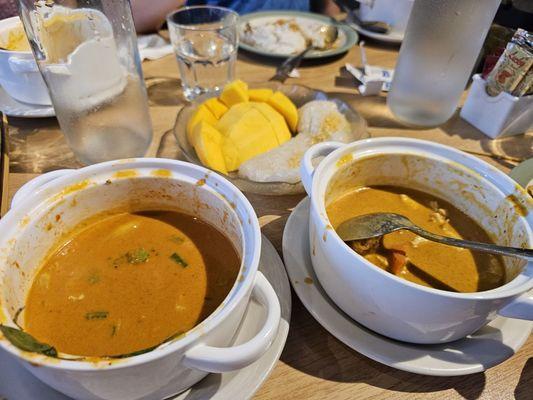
[[18, 384], [488, 347], [13, 108]]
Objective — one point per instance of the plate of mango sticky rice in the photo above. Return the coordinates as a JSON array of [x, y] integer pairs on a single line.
[[256, 134]]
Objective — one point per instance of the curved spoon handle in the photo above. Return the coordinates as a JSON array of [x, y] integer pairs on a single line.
[[488, 248], [283, 71]]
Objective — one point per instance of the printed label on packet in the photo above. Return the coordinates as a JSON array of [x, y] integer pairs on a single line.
[[525, 86], [513, 64]]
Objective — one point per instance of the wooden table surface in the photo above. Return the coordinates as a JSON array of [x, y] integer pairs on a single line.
[[314, 365]]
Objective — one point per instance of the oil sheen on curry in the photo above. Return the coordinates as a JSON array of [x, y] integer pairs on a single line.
[[126, 281], [416, 259]]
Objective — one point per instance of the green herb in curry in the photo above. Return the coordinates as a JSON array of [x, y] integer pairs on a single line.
[[137, 256], [96, 315], [178, 260], [27, 342]]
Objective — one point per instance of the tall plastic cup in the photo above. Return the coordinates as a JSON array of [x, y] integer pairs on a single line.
[[87, 53], [439, 50]]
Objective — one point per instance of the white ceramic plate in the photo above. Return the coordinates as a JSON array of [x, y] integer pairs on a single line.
[[14, 108], [393, 36], [18, 384], [348, 38], [490, 346]]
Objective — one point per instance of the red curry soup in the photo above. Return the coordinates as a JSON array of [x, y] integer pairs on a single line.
[[122, 282], [412, 257]]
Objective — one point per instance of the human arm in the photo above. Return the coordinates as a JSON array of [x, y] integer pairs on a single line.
[[149, 15]]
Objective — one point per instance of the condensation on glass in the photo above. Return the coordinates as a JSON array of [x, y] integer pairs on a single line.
[[439, 50], [87, 53]]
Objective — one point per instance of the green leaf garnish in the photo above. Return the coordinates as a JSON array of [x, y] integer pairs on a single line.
[[96, 315], [27, 342], [178, 260], [177, 239], [94, 278], [137, 256]]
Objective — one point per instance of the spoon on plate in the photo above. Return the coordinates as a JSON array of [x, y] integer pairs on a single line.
[[330, 32], [378, 224]]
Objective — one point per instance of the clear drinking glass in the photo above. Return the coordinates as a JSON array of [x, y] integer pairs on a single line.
[[441, 44], [205, 42], [87, 53]]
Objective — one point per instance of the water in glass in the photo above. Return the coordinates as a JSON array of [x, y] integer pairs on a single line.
[[205, 42], [206, 62], [87, 53]]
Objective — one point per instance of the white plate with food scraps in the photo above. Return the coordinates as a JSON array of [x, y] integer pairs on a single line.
[[299, 95], [286, 33], [489, 346], [13, 108], [18, 384]]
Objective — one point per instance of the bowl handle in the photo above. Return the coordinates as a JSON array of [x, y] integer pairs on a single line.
[[33, 187], [224, 359], [22, 65], [307, 169], [521, 308]]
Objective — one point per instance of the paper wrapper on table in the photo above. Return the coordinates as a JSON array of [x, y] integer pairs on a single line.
[[497, 116]]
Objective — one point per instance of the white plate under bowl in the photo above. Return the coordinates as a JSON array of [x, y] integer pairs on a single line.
[[488, 347], [18, 384], [13, 108]]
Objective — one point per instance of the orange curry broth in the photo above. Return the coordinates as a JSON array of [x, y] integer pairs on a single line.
[[126, 281]]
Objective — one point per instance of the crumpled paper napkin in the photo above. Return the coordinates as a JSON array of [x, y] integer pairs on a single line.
[[153, 46]]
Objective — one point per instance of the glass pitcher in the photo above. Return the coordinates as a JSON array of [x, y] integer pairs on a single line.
[[87, 53]]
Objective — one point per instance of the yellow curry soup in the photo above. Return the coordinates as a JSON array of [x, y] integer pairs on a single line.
[[123, 282], [416, 259]]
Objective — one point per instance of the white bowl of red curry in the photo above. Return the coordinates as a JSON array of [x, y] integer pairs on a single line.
[[129, 279], [400, 285]]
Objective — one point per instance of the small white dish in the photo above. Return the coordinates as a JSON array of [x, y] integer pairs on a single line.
[[19, 73], [491, 345], [13, 108], [394, 36], [17, 383]]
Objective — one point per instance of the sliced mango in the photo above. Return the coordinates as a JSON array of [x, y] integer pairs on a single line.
[[247, 133], [285, 107], [232, 116], [276, 120], [252, 131], [234, 92], [216, 107], [208, 146], [231, 155], [261, 95], [202, 113]]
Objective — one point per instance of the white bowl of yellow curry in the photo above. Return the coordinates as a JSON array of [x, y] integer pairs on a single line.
[[401, 285], [129, 279], [19, 74]]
